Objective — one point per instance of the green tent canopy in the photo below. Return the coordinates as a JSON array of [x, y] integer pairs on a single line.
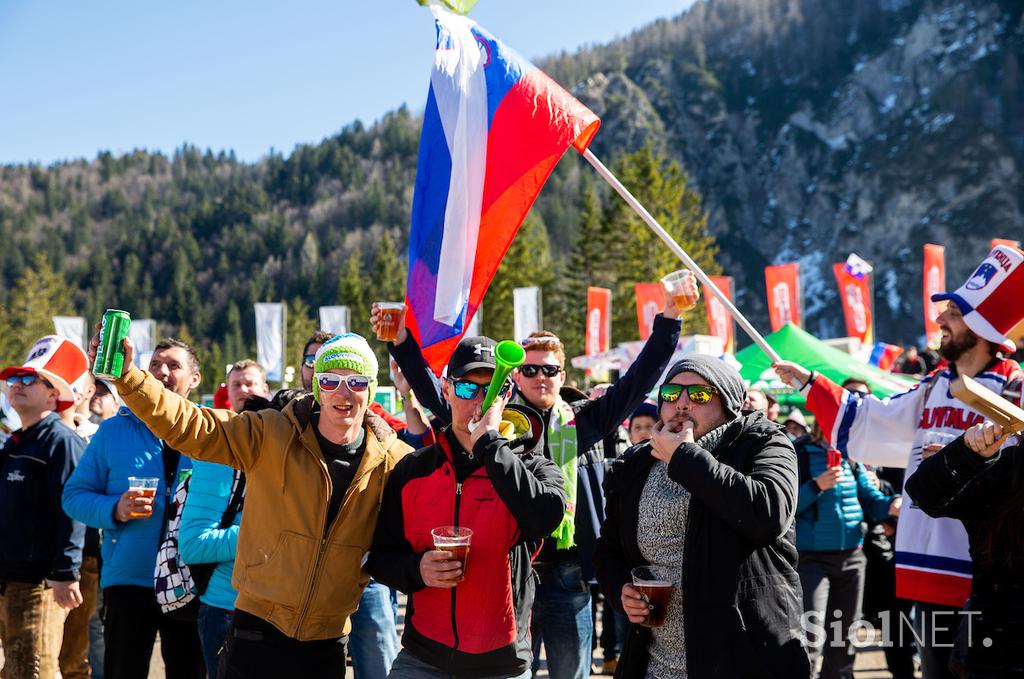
[[794, 344]]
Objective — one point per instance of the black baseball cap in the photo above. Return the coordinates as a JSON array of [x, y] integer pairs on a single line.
[[472, 353]]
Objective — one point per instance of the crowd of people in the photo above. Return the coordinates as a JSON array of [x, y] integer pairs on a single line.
[[707, 532]]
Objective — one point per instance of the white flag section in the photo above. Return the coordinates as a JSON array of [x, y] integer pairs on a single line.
[[270, 339], [334, 319], [476, 323], [72, 328], [526, 302], [141, 334]]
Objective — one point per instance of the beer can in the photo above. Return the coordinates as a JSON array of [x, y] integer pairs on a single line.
[[110, 353]]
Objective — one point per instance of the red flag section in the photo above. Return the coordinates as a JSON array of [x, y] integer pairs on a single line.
[[720, 322], [934, 282], [783, 284], [855, 296], [650, 301], [599, 314]]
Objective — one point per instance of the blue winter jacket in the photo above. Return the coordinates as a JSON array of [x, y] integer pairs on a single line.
[[832, 519], [121, 447], [200, 537]]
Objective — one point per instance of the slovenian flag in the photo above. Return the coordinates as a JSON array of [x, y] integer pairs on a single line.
[[493, 130]]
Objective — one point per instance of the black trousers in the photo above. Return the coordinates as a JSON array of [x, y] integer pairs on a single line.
[[131, 620], [255, 649]]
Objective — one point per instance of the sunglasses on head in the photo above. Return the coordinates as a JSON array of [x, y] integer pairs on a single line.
[[331, 381], [467, 390], [309, 360], [531, 370], [27, 380], [697, 393]]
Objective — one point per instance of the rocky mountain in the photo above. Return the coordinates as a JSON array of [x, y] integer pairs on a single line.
[[816, 128]]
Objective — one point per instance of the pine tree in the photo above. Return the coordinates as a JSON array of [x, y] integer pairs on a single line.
[[38, 295], [300, 326], [639, 255]]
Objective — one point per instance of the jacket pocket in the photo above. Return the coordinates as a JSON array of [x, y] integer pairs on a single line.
[[279, 575], [339, 584]]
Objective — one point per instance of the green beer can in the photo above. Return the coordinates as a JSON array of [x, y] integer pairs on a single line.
[[110, 353]]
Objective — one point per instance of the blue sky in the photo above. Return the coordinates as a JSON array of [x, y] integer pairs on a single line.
[[80, 77]]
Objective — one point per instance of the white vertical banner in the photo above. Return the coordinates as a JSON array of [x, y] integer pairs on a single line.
[[334, 319], [526, 302], [270, 326], [141, 334], [72, 328], [476, 323]]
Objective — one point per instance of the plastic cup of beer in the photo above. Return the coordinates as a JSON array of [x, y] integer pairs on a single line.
[[145, 487], [454, 539], [655, 584], [390, 315], [934, 441], [682, 285]]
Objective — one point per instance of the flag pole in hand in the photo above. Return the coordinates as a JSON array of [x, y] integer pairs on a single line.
[[613, 181]]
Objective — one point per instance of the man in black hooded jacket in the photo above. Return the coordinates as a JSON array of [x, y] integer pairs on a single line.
[[711, 497]]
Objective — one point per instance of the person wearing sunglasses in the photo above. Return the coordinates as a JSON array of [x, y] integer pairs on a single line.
[[315, 473], [471, 617], [709, 501], [40, 545], [575, 431]]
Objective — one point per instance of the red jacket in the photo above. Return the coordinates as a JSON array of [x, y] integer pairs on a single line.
[[481, 627]]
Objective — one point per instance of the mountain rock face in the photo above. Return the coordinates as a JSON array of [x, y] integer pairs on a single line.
[[816, 128]]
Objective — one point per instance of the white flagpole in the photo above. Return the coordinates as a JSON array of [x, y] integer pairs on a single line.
[[607, 175]]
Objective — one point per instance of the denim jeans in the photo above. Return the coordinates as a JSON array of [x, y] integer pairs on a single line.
[[213, 630], [373, 641], [562, 621], [408, 666]]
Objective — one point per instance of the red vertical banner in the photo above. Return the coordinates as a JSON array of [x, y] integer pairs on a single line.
[[599, 319], [650, 301], [783, 284], [720, 322], [855, 296], [934, 282], [1005, 241]]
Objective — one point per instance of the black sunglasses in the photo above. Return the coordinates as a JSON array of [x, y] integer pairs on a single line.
[[697, 393], [531, 370]]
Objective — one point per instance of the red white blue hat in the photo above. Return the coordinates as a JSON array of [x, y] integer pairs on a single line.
[[57, 360], [992, 299]]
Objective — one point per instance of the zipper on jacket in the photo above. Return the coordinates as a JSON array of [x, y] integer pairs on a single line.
[[319, 557], [455, 628]]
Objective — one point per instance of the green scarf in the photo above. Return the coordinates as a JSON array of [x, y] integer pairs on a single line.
[[562, 450]]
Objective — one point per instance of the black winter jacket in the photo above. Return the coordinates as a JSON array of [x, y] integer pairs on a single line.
[[741, 591], [960, 484], [37, 539]]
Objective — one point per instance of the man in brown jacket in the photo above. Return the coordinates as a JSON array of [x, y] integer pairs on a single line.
[[315, 474]]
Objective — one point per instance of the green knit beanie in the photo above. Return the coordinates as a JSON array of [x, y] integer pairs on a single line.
[[349, 351]]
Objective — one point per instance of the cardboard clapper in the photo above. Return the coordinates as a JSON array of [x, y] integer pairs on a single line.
[[995, 408]]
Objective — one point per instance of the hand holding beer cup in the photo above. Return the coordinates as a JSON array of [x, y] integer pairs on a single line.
[[653, 586], [137, 501], [445, 567], [387, 319], [933, 442], [682, 290]]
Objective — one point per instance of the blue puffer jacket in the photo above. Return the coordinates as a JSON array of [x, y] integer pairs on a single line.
[[201, 539], [122, 447], [832, 519]]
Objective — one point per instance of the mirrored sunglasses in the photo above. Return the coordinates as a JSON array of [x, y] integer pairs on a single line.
[[309, 361], [331, 381], [697, 393], [27, 380], [531, 370], [467, 390]]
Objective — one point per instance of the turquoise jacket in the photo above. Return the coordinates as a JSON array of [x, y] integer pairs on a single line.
[[833, 519], [200, 537], [121, 447]]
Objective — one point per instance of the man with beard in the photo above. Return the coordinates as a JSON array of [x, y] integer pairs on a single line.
[[933, 566]]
